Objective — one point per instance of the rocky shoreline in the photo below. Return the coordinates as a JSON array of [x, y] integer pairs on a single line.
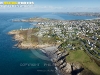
[[25, 45], [62, 66], [57, 57], [59, 60]]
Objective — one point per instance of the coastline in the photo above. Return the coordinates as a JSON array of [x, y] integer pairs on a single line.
[[24, 44], [93, 18], [46, 48], [57, 57], [97, 18], [8, 51]]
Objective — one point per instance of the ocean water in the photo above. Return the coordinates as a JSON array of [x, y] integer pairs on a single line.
[[15, 61]]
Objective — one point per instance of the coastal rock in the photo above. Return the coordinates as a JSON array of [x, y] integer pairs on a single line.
[[59, 52], [65, 67], [61, 62], [76, 66], [13, 32], [54, 60], [57, 56], [18, 37], [62, 56], [25, 45], [68, 68]]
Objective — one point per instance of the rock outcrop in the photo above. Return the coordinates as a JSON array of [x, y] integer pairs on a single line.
[[65, 68], [58, 57]]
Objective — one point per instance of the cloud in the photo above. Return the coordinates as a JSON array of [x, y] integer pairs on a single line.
[[38, 8], [44, 8]]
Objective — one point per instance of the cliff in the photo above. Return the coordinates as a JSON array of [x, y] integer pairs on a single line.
[[57, 56]]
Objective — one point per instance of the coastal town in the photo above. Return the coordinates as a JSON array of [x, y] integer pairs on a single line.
[[87, 31], [68, 35], [96, 14]]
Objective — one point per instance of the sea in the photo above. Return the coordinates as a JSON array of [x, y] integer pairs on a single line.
[[15, 61]]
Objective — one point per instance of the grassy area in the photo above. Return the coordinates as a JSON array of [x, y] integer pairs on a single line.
[[81, 57], [29, 37], [49, 40]]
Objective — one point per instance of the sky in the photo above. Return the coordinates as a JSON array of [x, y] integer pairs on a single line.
[[56, 6]]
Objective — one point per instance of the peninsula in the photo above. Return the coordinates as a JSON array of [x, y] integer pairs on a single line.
[[76, 42]]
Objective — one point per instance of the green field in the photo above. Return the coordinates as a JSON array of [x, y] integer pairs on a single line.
[[81, 57]]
